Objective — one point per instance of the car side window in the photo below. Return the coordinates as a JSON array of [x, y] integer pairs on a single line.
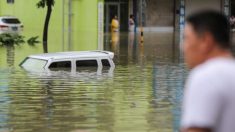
[[61, 65], [86, 65], [105, 63]]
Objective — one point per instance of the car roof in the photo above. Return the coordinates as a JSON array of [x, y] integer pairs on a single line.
[[73, 54]]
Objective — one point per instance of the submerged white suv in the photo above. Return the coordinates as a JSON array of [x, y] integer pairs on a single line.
[[70, 61], [9, 24]]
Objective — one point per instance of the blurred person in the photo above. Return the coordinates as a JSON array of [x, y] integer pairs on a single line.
[[209, 99], [232, 21], [131, 24], [115, 24]]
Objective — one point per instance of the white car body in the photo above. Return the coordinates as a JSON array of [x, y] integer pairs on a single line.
[[71, 60], [9, 24]]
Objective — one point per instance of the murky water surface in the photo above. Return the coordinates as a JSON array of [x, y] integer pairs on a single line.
[[142, 94]]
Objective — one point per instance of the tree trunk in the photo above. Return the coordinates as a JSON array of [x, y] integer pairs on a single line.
[[45, 31]]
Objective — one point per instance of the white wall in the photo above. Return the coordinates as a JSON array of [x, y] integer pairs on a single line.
[[196, 5], [159, 13]]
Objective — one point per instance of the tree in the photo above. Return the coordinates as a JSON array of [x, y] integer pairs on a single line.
[[49, 4]]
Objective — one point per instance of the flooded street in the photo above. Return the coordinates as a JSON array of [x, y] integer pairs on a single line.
[[143, 93]]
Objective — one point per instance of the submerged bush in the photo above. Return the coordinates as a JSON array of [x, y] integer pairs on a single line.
[[33, 40], [10, 39]]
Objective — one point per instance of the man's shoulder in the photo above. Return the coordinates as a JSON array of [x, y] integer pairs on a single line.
[[203, 71], [215, 67], [216, 73]]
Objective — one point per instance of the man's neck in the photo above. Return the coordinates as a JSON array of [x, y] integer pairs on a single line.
[[219, 53]]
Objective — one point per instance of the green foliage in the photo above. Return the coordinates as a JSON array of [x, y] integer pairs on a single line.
[[10, 39], [43, 3], [33, 40], [7, 39]]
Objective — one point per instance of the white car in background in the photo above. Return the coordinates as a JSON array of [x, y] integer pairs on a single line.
[[10, 24]]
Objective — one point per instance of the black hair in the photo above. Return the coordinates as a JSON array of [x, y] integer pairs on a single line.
[[131, 16], [213, 22]]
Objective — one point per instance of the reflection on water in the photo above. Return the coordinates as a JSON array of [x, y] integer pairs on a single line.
[[142, 94], [10, 55]]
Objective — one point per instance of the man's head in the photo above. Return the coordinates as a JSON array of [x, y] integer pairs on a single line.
[[131, 16], [205, 33]]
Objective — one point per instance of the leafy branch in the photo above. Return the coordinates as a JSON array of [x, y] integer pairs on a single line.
[[9, 39]]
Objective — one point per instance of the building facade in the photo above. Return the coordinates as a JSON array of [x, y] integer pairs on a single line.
[[74, 25], [155, 15], [79, 24]]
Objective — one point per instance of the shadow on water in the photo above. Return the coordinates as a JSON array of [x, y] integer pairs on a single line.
[[143, 94]]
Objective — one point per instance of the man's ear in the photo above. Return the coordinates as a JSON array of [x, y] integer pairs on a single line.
[[207, 42]]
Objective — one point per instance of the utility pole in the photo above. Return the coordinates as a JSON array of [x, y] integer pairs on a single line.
[[141, 1], [174, 14], [182, 23], [70, 24], [63, 22], [141, 23], [227, 7]]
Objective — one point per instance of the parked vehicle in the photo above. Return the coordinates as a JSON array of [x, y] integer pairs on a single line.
[[10, 24], [70, 61]]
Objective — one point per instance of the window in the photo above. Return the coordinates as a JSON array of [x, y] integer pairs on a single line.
[[11, 21], [105, 63], [32, 63], [10, 1], [87, 65], [62, 65]]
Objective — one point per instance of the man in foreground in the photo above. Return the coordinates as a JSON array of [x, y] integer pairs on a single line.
[[209, 102]]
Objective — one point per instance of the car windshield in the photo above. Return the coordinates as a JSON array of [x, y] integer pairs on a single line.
[[33, 63], [11, 21]]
